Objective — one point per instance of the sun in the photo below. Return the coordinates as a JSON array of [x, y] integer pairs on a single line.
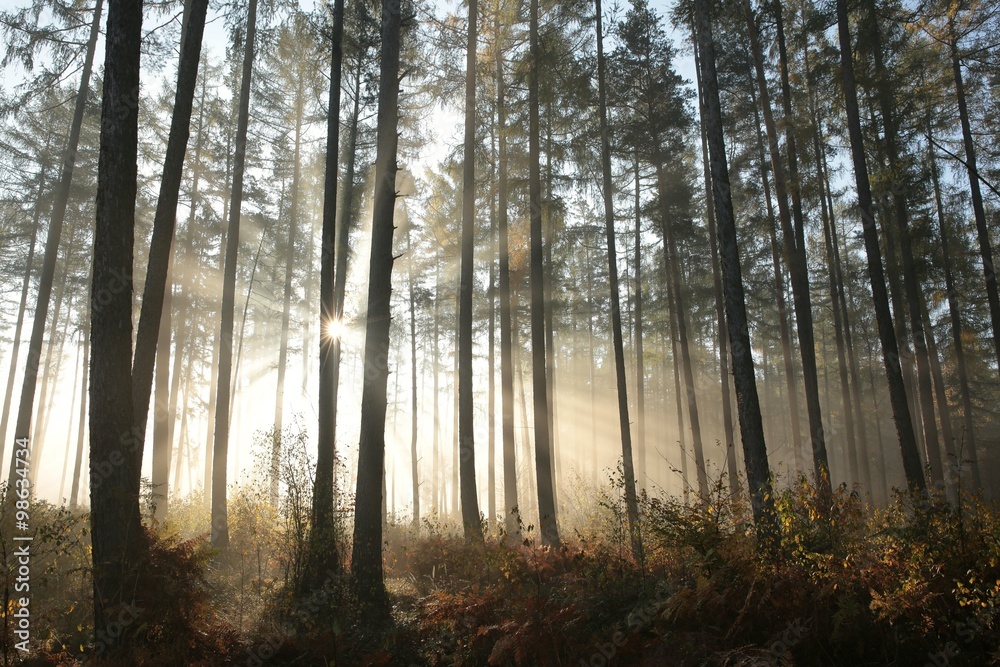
[[334, 329]]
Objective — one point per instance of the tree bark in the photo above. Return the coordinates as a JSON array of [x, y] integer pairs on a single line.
[[466, 421], [115, 445], [887, 335], [955, 316], [720, 314], [795, 254], [631, 502], [747, 401], [982, 231], [366, 561], [510, 510], [543, 450], [220, 450], [158, 266]]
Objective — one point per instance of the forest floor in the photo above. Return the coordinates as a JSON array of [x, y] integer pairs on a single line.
[[911, 584]]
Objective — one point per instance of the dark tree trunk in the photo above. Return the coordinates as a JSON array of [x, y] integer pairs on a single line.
[[631, 503], [466, 420], [982, 231], [366, 561], [795, 255], [161, 413], [158, 266], [955, 316], [220, 450], [672, 258], [720, 314], [674, 355], [791, 386], [117, 534], [543, 448], [887, 335], [506, 353], [748, 404]]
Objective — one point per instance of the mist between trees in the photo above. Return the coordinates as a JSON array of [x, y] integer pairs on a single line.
[[778, 274]]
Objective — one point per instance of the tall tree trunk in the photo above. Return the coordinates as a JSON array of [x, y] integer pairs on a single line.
[[720, 314], [491, 391], [366, 561], [220, 450], [466, 419], [887, 335], [115, 445], [286, 305], [791, 386], [672, 258], [49, 376], [674, 355], [161, 412], [74, 493], [640, 367], [158, 266], [631, 503], [437, 473], [982, 231], [747, 401], [506, 324], [414, 473], [69, 424], [955, 316], [22, 427], [911, 285], [21, 308], [543, 448], [795, 254], [840, 297]]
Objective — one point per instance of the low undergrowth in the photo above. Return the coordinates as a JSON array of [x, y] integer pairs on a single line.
[[912, 584]]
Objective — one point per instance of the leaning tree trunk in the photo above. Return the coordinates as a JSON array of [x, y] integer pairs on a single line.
[[747, 401], [876, 275], [672, 258], [985, 248], [911, 285], [795, 254], [779, 293], [220, 450], [115, 445], [631, 502], [955, 316], [543, 448], [366, 560], [720, 314], [466, 421], [158, 267], [22, 427]]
